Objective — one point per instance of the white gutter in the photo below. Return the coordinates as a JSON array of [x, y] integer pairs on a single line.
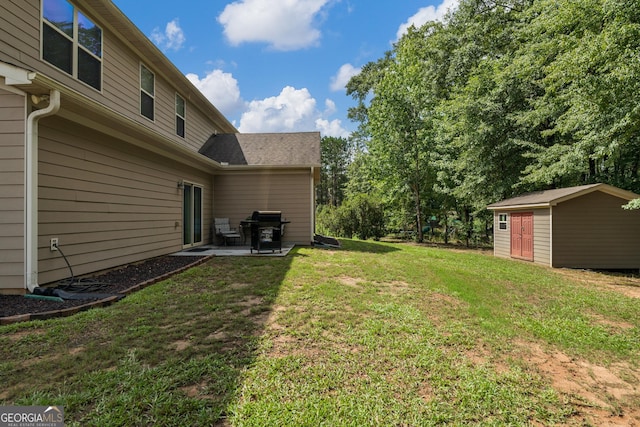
[[31, 188]]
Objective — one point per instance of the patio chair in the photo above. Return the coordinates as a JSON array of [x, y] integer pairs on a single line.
[[224, 230]]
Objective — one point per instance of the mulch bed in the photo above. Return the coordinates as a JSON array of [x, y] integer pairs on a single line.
[[119, 281]]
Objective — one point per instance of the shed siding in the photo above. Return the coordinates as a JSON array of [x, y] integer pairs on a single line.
[[237, 196], [593, 231], [108, 203], [541, 236], [12, 158], [501, 238]]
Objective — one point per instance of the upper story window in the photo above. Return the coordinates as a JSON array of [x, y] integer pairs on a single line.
[[147, 92], [181, 115], [72, 42]]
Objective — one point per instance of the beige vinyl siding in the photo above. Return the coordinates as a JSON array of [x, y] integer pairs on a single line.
[[20, 43], [541, 236], [20, 46], [121, 79], [12, 152], [237, 196], [121, 90], [107, 202], [20, 32], [501, 238], [593, 231]]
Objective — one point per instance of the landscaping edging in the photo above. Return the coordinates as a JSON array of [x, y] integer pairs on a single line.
[[98, 303]]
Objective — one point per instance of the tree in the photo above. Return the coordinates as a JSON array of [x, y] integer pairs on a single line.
[[501, 98], [333, 178], [583, 56], [478, 146], [400, 124]]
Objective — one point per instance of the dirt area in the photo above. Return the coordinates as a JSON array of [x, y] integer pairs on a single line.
[[113, 281], [603, 395], [626, 284]]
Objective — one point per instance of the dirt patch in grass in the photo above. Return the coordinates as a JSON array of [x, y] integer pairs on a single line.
[[604, 395], [181, 345], [351, 281], [17, 336], [628, 285], [610, 323]]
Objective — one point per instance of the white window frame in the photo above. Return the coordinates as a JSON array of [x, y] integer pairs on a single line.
[[183, 117], [75, 44], [150, 95], [503, 221], [189, 215]]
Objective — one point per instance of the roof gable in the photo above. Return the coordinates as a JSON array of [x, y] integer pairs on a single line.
[[264, 149], [547, 198]]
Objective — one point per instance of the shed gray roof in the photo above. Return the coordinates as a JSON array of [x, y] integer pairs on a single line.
[[548, 198], [264, 149]]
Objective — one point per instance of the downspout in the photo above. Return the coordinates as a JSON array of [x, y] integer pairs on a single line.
[[31, 188], [313, 206]]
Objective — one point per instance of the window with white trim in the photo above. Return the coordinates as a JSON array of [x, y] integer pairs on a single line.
[[147, 92], [72, 42], [181, 115], [502, 221]]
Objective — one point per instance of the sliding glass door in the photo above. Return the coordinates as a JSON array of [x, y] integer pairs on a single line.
[[192, 215]]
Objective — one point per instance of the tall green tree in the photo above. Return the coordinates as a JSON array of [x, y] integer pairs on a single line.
[[479, 145], [335, 153], [400, 124], [502, 98], [583, 54]]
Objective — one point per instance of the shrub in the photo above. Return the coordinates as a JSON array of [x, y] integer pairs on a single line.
[[361, 216]]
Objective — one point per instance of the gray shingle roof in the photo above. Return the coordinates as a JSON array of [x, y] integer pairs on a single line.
[[264, 149], [552, 197]]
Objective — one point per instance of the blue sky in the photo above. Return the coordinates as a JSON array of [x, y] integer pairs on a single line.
[[278, 65]]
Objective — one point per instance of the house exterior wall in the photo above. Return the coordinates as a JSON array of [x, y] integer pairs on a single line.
[[237, 196], [12, 158], [108, 203], [541, 235], [20, 33], [20, 45], [593, 231], [108, 175], [122, 93]]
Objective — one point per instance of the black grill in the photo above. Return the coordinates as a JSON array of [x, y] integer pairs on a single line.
[[267, 230]]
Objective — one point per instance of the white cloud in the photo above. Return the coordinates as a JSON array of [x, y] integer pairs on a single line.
[[172, 38], [221, 89], [340, 80], [330, 107], [283, 25], [331, 128], [293, 110], [426, 14]]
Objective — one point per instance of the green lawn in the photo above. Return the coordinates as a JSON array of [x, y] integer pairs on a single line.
[[373, 334]]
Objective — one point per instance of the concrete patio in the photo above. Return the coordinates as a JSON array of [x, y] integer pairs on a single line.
[[207, 250]]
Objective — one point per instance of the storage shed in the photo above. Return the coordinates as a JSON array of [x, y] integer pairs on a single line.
[[575, 227]]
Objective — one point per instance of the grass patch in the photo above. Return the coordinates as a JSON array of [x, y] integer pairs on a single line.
[[372, 334]]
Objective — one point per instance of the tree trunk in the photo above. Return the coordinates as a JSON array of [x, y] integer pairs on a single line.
[[468, 218], [419, 218]]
